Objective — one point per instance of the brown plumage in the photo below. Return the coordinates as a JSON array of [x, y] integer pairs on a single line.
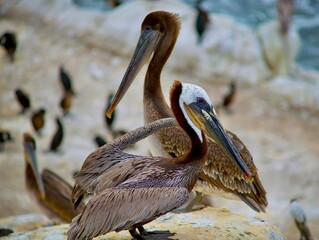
[[285, 10], [221, 172], [132, 190], [49, 191], [37, 120], [66, 102]]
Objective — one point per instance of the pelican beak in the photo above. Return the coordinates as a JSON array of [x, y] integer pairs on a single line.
[[32, 159], [208, 122], [146, 45]]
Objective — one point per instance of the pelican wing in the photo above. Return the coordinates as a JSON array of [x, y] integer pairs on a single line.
[[231, 180], [220, 172], [122, 209], [58, 197], [109, 155]]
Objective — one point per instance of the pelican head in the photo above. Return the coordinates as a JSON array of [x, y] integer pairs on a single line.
[[156, 28], [201, 116], [285, 9], [31, 159]]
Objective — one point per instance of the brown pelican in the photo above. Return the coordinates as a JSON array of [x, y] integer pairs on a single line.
[[159, 32], [9, 42], [51, 193], [132, 190]]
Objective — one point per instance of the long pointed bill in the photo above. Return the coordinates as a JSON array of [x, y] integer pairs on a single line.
[[210, 124], [32, 159], [145, 46]]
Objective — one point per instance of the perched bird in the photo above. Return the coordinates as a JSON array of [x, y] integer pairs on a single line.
[[109, 120], [5, 232], [114, 3], [23, 99], [99, 140], [51, 193], [299, 216], [285, 10], [65, 79], [132, 190], [5, 136], [220, 174], [66, 102], [38, 120], [58, 136], [202, 21], [9, 41], [229, 97]]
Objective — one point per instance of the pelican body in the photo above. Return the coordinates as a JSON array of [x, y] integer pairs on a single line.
[[224, 172], [132, 190], [51, 193]]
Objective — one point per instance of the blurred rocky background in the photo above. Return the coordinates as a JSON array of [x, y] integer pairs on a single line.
[[275, 110]]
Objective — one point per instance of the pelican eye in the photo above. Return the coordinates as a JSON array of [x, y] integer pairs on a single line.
[[202, 103]]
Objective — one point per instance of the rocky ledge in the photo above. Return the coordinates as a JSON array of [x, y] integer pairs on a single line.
[[209, 223]]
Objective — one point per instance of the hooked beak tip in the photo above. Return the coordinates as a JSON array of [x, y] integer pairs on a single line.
[[42, 196], [109, 113], [249, 177]]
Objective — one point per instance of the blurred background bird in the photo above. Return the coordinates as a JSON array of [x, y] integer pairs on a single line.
[[5, 232], [9, 42], [38, 120], [299, 216], [23, 100], [49, 191], [109, 120], [285, 10], [58, 136], [99, 140], [229, 97], [5, 136], [111, 133], [66, 81], [66, 102], [202, 21]]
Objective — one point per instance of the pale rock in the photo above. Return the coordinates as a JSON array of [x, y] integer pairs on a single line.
[[206, 224], [229, 50], [296, 94], [23, 223]]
